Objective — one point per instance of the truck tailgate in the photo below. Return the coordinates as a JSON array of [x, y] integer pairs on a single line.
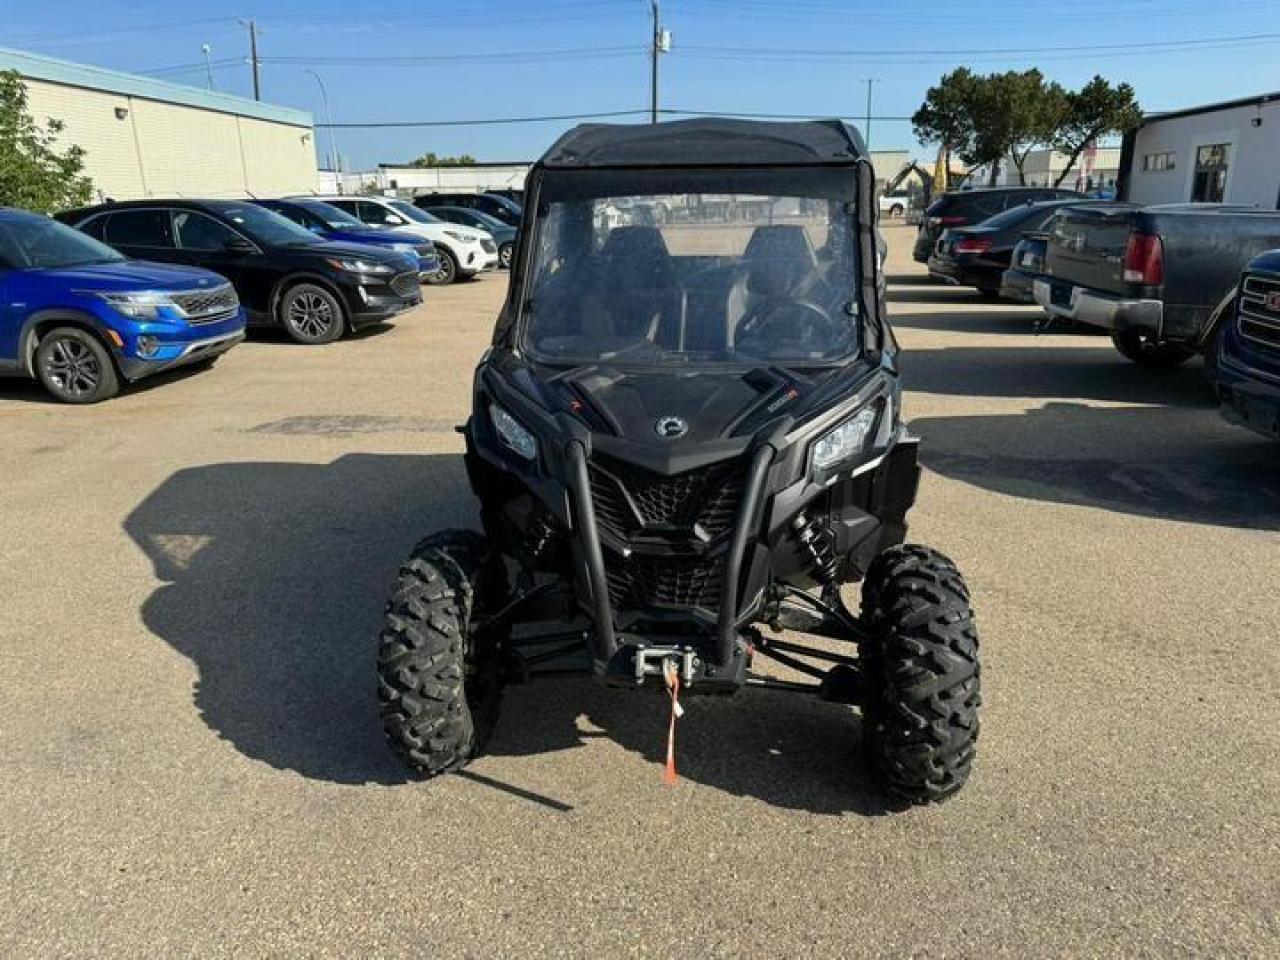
[[1086, 246]]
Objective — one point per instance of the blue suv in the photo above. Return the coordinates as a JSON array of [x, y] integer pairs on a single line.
[[1247, 368], [81, 318], [330, 223]]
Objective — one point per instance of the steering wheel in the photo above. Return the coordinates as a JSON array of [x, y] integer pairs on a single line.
[[807, 323]]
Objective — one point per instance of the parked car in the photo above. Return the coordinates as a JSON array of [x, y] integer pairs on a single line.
[[1026, 265], [285, 275], [329, 223], [1153, 276], [895, 203], [977, 256], [81, 318], [1247, 367], [495, 205], [464, 251], [962, 208], [503, 235]]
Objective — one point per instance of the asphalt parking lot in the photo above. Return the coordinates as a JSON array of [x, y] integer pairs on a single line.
[[191, 763]]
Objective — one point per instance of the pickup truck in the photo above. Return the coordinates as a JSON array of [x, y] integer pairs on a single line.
[[1156, 277]]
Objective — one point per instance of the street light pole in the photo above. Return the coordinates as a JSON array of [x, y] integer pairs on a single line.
[[208, 65], [867, 129], [328, 119]]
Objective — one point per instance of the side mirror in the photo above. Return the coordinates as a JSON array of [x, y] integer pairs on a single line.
[[239, 245]]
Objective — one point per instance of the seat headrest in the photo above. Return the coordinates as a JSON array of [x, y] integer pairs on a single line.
[[778, 257], [639, 242]]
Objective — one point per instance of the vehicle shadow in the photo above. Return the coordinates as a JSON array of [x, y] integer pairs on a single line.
[[1087, 371], [1014, 320], [23, 390], [941, 293], [1167, 462], [273, 580]]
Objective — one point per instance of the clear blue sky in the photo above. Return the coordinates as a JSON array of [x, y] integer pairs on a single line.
[[729, 55]]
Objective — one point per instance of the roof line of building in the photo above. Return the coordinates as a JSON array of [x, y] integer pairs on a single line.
[[51, 70], [1255, 101]]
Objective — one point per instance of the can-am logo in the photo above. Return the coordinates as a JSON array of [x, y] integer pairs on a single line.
[[670, 428], [1273, 301]]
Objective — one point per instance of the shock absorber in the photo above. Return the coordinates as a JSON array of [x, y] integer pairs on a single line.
[[539, 536], [815, 540]]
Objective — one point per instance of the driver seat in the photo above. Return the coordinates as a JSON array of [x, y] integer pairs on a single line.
[[779, 263]]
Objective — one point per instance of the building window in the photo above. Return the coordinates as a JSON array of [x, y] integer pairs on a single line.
[[1158, 162], [1209, 185]]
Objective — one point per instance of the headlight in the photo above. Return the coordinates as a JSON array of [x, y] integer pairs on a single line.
[[845, 441], [354, 265], [408, 248], [140, 306], [460, 237], [513, 433]]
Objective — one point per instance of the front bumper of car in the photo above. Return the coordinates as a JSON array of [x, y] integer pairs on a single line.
[[148, 347], [1250, 394], [1097, 309], [374, 299]]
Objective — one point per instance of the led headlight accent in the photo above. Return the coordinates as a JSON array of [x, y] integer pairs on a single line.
[[845, 441], [355, 265], [512, 433]]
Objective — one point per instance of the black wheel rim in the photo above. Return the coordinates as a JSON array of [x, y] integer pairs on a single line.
[[310, 314], [72, 368]]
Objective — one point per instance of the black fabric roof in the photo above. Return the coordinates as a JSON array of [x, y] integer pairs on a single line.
[[706, 142]]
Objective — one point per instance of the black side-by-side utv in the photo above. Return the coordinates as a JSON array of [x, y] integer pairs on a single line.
[[688, 428]]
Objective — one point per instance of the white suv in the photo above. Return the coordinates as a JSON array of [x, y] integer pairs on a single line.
[[464, 251]]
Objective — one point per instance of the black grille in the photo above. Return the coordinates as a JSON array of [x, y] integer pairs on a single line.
[[205, 306], [1259, 317], [644, 580], [405, 284], [628, 499]]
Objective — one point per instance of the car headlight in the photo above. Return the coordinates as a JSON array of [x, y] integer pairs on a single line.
[[356, 265], [845, 441], [140, 306], [405, 248], [512, 432], [460, 237]]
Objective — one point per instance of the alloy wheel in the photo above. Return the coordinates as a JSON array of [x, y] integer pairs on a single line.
[[72, 368], [311, 315]]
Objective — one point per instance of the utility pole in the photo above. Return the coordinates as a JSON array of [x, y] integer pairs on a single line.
[[253, 56], [867, 129], [208, 66], [661, 44]]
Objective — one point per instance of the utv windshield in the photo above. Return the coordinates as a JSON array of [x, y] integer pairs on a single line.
[[745, 266]]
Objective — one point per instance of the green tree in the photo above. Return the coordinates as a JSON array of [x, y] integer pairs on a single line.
[[1022, 112], [34, 173], [1094, 111], [946, 116], [431, 160]]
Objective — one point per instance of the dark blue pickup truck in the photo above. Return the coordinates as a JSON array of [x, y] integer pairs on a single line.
[[1155, 277], [1248, 361]]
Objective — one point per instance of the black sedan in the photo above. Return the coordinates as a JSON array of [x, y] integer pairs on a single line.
[[978, 256]]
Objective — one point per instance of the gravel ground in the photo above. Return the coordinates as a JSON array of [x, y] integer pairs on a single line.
[[193, 576]]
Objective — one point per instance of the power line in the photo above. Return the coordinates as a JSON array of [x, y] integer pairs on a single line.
[[406, 124], [514, 56]]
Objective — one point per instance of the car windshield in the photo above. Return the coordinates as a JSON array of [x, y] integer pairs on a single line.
[[268, 227], [417, 214], [38, 242], [332, 217], [676, 278]]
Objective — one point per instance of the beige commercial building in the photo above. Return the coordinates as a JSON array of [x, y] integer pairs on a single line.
[[146, 138]]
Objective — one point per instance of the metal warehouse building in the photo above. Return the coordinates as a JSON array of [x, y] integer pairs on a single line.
[[146, 138], [1224, 152]]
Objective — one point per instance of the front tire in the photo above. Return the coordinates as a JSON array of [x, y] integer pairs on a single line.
[[1147, 352], [447, 272], [922, 672], [310, 314], [439, 680], [75, 367]]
